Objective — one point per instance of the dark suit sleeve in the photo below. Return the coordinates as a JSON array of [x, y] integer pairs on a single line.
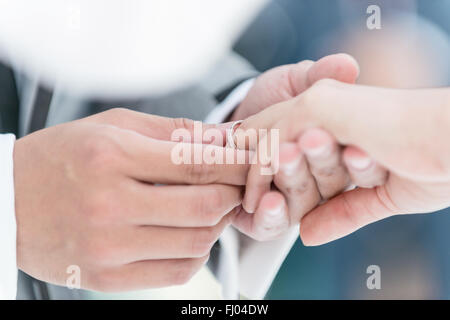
[[221, 96], [9, 101]]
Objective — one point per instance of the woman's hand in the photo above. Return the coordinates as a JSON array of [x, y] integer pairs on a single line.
[[305, 177], [272, 215], [406, 131]]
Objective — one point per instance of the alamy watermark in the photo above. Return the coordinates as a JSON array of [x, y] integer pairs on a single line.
[[73, 281], [374, 280], [197, 148], [373, 22]]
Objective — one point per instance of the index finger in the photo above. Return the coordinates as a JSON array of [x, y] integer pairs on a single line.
[[167, 162], [157, 127]]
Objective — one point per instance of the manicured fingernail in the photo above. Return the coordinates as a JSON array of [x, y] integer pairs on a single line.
[[360, 163], [318, 151], [289, 168], [316, 143], [275, 212]]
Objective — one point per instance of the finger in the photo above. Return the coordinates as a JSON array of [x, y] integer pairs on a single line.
[[293, 79], [163, 128], [341, 67], [270, 220], [364, 172], [155, 243], [324, 159], [179, 206], [264, 165], [146, 275], [284, 79], [257, 186], [169, 162], [345, 214], [296, 183]]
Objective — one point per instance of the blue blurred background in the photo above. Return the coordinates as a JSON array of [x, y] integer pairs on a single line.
[[411, 50]]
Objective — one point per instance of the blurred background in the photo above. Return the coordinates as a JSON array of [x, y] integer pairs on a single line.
[[411, 50]]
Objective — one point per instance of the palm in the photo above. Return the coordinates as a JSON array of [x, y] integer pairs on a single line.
[[410, 196], [270, 88]]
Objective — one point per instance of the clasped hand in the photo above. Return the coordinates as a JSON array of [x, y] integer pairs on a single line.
[[89, 192]]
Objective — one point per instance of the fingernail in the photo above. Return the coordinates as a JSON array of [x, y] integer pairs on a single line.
[[248, 208], [289, 168], [319, 151], [360, 163], [275, 212]]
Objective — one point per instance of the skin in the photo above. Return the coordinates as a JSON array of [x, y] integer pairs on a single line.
[[86, 190], [405, 131], [85, 196], [310, 170]]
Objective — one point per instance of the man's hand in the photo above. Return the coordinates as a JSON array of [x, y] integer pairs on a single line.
[[310, 171], [406, 131], [85, 196], [285, 82]]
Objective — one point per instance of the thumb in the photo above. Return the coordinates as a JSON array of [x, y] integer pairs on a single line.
[[341, 67], [345, 214]]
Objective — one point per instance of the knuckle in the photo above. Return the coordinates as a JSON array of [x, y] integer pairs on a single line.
[[386, 201], [200, 173], [208, 209], [294, 188], [305, 64], [182, 123], [297, 191], [116, 113], [203, 241], [325, 83], [293, 72], [324, 172], [200, 206], [348, 211], [100, 151], [215, 198], [308, 97]]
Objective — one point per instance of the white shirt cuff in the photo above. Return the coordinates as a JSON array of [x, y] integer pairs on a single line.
[[260, 261], [8, 264], [224, 109]]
